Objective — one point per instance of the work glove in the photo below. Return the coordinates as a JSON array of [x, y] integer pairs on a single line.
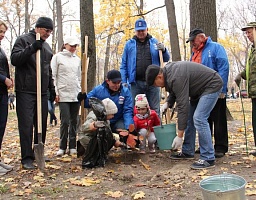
[[99, 124], [238, 79], [81, 96], [38, 44], [222, 96], [177, 143], [160, 46], [164, 107]]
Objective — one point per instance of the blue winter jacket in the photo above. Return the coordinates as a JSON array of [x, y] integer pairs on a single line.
[[128, 65], [125, 110], [215, 57]]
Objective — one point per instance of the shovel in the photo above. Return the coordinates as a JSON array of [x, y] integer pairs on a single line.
[[39, 148]]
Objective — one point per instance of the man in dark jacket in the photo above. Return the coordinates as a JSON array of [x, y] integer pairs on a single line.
[[196, 89], [23, 57]]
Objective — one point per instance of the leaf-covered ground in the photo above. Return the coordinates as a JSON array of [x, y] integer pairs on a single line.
[[127, 175]]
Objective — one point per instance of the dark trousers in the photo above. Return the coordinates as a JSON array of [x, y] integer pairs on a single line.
[[68, 117], [51, 110], [254, 119], [3, 115], [26, 107], [218, 126]]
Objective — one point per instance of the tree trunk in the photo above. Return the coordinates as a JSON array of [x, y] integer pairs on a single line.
[[173, 32], [107, 56], [203, 15], [27, 18], [59, 23], [87, 28]]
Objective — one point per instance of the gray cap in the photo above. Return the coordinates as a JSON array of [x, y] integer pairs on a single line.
[[249, 25]]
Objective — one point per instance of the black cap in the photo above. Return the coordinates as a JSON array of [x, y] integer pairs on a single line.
[[194, 33], [114, 75], [151, 73], [44, 22]]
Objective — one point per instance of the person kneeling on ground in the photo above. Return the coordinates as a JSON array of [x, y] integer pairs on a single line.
[[95, 135]]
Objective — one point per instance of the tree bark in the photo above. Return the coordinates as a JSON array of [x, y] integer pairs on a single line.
[[59, 24], [87, 28], [173, 32], [203, 15]]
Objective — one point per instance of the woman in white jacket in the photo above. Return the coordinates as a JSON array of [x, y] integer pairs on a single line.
[[66, 71]]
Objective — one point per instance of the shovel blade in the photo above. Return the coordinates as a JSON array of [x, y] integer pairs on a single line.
[[39, 155]]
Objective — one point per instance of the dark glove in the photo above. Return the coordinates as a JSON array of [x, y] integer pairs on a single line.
[[52, 95], [160, 46], [37, 44], [99, 124], [81, 96]]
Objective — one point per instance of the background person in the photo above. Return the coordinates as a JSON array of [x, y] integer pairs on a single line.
[[23, 57], [195, 89], [214, 56], [249, 73], [5, 83], [140, 52], [66, 71]]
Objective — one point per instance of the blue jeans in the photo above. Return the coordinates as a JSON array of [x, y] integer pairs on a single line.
[[199, 113], [152, 94], [51, 110]]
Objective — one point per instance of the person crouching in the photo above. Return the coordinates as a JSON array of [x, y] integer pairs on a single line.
[[144, 120]]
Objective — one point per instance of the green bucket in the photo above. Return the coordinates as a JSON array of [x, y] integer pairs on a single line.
[[223, 187], [165, 135]]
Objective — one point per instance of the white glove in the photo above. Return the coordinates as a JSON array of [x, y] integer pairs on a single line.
[[160, 46], [177, 143], [99, 124], [164, 107]]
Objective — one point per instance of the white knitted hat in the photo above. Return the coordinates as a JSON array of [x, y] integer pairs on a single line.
[[110, 106], [141, 101]]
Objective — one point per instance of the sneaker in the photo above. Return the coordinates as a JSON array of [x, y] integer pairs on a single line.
[[203, 164], [219, 154], [142, 151], [181, 156], [72, 151], [5, 166], [152, 150], [60, 152], [3, 171], [253, 153]]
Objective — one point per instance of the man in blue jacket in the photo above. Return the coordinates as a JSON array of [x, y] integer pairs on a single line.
[[112, 88], [213, 55], [140, 52]]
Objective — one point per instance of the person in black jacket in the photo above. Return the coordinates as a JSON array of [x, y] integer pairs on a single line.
[[5, 83], [23, 57]]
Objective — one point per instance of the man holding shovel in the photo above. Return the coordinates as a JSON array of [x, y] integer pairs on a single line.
[[140, 52], [23, 57], [249, 73], [195, 89]]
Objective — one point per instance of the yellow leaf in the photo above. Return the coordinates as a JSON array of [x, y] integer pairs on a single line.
[[52, 166], [138, 195], [203, 172], [147, 167], [115, 194], [9, 180], [250, 192], [66, 159], [28, 191], [85, 182]]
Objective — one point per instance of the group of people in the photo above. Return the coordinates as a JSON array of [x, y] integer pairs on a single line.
[[130, 96]]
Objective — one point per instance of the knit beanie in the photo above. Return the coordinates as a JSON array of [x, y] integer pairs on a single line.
[[141, 101], [44, 22], [110, 106]]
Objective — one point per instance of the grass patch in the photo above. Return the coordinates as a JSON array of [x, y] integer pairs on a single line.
[[3, 189], [49, 191]]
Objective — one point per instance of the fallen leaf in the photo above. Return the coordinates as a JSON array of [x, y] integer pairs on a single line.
[[115, 194], [138, 195], [147, 167]]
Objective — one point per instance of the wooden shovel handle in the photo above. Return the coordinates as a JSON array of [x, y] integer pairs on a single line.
[[38, 90]]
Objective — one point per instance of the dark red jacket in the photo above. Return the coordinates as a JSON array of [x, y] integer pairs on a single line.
[[147, 123]]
